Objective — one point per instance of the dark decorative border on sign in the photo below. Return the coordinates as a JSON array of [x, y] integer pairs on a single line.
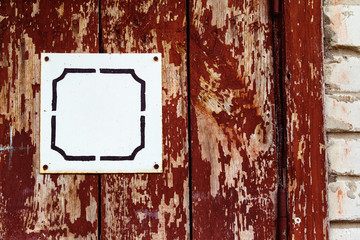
[[61, 151], [62, 76], [102, 158], [136, 150], [133, 74]]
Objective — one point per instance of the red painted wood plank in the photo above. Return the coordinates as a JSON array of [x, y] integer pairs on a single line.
[[151, 206], [234, 168], [35, 206], [307, 175]]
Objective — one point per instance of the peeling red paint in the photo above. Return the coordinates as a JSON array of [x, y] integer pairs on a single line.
[[306, 169], [234, 165], [151, 206], [35, 88], [38, 206], [234, 172], [16, 180]]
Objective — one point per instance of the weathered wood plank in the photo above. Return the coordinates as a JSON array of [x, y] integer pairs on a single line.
[[234, 169], [306, 178], [151, 206], [35, 206]]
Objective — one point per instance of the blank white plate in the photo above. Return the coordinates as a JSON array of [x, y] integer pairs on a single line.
[[100, 113]]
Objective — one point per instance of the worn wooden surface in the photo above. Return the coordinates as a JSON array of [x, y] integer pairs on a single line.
[[34, 206], [307, 200], [234, 170], [151, 206]]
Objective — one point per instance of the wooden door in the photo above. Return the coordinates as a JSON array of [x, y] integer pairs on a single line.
[[220, 145]]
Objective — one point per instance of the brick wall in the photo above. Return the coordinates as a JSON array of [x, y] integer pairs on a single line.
[[342, 111]]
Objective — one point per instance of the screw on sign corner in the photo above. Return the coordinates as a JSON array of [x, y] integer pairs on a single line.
[[156, 59], [156, 166], [47, 59], [45, 167]]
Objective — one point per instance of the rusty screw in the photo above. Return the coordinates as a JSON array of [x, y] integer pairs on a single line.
[[46, 59], [156, 59], [45, 167], [156, 166]]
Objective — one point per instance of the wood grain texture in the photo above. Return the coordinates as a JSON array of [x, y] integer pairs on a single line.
[[234, 169], [151, 206], [35, 206], [306, 168]]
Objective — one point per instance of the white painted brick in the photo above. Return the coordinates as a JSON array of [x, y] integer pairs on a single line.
[[344, 24], [342, 112], [344, 156], [341, 2], [343, 74], [344, 200], [344, 233]]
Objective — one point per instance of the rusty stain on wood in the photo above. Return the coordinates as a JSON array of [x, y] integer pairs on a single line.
[[234, 170], [34, 205], [151, 206], [307, 176]]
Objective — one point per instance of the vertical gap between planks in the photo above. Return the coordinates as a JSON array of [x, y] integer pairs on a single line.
[[189, 114], [280, 116], [99, 206], [101, 50], [279, 91]]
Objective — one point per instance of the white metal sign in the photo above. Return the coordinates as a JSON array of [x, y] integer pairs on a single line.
[[100, 113]]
